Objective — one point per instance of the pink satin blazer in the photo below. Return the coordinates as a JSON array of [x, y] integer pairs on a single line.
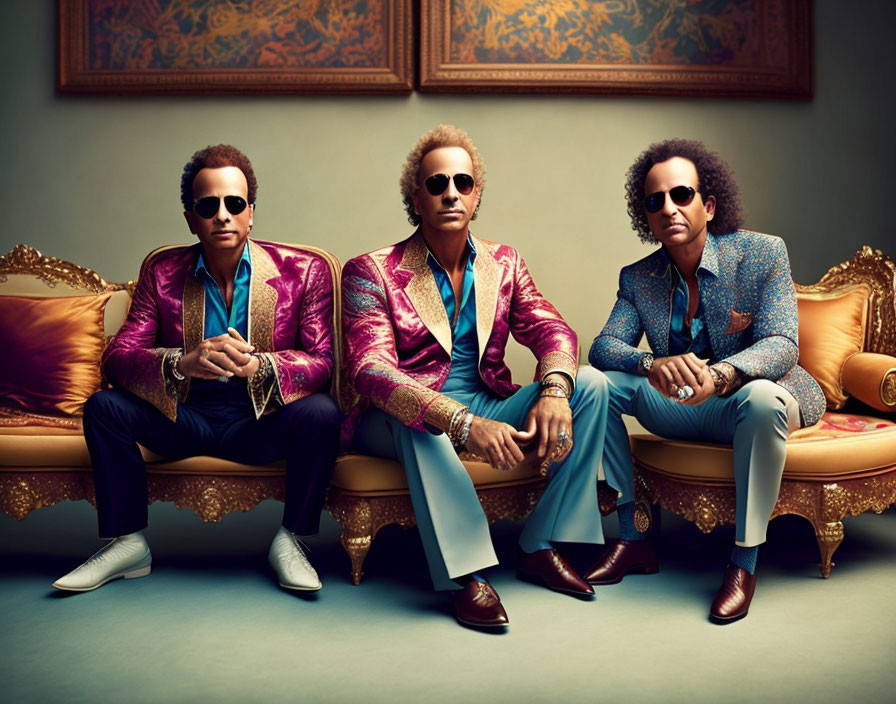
[[290, 319], [397, 338]]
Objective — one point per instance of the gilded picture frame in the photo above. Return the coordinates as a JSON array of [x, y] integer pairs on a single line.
[[235, 46], [703, 48]]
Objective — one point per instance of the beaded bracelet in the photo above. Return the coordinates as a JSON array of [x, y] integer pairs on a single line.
[[455, 424], [173, 358], [564, 389], [464, 433]]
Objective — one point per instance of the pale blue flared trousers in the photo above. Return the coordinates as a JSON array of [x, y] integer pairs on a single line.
[[756, 419], [449, 516]]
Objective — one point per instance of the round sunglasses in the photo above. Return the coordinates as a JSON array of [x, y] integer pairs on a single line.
[[208, 207], [437, 183], [680, 195]]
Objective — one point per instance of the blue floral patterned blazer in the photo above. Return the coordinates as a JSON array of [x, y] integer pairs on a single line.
[[750, 314]]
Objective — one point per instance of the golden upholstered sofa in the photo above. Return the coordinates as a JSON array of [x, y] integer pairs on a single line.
[[67, 314], [843, 465]]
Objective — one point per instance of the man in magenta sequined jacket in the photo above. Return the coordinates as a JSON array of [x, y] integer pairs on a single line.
[[290, 319], [398, 336], [227, 351], [426, 323]]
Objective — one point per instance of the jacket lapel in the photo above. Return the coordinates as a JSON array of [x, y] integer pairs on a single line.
[[717, 296], [488, 278], [423, 292], [658, 304], [262, 299], [193, 308]]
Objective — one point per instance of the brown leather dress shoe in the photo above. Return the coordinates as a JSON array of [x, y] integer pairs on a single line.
[[621, 558], [733, 600], [478, 605], [547, 567]]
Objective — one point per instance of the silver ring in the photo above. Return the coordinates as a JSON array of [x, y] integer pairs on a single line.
[[563, 436], [684, 392]]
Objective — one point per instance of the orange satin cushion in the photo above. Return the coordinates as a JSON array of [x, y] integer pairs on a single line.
[[832, 328], [50, 356]]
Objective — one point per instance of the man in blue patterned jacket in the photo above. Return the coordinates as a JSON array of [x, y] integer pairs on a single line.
[[718, 307]]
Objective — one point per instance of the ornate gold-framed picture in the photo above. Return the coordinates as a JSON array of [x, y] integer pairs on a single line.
[[235, 46], [720, 48]]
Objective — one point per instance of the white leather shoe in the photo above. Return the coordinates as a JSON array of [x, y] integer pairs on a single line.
[[287, 557], [127, 556]]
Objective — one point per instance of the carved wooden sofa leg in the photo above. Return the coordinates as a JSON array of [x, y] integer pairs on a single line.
[[830, 509], [362, 517], [357, 532], [829, 536]]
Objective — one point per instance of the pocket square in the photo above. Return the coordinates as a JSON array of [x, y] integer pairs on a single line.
[[738, 322]]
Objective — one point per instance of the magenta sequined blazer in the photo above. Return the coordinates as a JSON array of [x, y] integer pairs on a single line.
[[397, 338], [290, 320]]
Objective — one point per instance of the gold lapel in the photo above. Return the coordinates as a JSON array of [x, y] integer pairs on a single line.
[[193, 310], [262, 299], [488, 278], [424, 292]]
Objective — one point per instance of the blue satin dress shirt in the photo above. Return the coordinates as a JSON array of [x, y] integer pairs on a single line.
[[217, 317], [464, 375], [684, 338]]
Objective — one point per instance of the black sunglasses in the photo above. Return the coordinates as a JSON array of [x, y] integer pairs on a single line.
[[680, 195], [437, 183], [208, 207]]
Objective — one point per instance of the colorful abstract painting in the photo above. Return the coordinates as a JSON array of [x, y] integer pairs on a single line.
[[222, 34], [265, 45], [714, 32], [757, 44]]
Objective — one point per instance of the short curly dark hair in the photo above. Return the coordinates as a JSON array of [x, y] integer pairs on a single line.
[[216, 157], [714, 178]]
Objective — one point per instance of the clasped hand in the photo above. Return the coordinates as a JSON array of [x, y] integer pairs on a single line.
[[668, 374], [224, 355], [504, 447]]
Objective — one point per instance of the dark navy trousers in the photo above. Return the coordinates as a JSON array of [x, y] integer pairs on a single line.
[[217, 419]]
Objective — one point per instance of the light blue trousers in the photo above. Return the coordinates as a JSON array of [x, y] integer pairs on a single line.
[[756, 419], [449, 516]]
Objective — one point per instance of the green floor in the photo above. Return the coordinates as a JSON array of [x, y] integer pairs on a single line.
[[209, 625]]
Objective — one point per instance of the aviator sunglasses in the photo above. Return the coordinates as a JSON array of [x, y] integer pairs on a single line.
[[207, 207], [680, 195], [437, 183]]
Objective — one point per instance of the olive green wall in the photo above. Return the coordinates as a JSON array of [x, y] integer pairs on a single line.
[[95, 179]]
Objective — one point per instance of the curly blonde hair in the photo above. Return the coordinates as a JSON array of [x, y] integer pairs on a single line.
[[438, 136]]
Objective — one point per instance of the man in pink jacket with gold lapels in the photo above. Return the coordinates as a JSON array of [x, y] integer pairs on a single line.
[[426, 323], [227, 350]]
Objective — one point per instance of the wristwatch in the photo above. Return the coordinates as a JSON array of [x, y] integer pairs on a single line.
[[645, 364]]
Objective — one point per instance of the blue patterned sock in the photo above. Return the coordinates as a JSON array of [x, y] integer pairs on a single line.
[[626, 514], [745, 557]]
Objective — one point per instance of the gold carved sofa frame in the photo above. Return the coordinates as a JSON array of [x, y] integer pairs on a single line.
[[827, 476], [44, 460]]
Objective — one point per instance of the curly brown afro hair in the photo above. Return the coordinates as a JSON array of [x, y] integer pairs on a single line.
[[715, 178], [216, 157], [439, 136]]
